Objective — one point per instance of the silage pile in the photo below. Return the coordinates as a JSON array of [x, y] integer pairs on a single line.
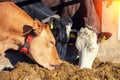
[[67, 71]]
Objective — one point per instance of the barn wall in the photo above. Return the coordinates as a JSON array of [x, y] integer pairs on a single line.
[[110, 49]]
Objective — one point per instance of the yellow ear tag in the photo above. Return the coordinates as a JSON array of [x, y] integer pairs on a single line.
[[72, 35], [51, 25], [104, 38]]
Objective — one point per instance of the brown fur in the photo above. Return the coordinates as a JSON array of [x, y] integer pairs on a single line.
[[15, 24]]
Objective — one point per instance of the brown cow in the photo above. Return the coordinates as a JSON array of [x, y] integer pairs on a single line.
[[15, 25]]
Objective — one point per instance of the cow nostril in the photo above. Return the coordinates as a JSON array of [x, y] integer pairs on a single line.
[[55, 66]]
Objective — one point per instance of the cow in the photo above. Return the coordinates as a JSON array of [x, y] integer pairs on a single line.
[[87, 23], [60, 27], [87, 44], [18, 31]]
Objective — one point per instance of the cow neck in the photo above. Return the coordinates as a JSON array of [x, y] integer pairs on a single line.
[[29, 38]]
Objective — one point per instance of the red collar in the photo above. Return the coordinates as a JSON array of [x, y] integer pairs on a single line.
[[24, 49]]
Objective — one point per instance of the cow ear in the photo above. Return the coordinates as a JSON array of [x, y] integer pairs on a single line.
[[26, 29], [102, 36], [37, 26], [51, 23]]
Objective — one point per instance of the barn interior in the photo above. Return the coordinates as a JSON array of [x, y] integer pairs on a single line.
[[108, 12]]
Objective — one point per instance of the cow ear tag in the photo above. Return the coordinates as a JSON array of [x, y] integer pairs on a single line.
[[51, 25], [104, 38], [72, 35]]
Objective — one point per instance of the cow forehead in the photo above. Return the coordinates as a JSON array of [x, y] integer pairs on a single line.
[[46, 33]]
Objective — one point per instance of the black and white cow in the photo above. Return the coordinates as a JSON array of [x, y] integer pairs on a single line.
[[59, 26]]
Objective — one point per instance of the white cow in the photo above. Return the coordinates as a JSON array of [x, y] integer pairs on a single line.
[[87, 46]]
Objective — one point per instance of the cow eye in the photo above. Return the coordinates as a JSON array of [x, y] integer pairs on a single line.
[[52, 42]]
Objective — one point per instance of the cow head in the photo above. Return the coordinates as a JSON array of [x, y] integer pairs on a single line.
[[87, 45], [42, 48], [61, 29]]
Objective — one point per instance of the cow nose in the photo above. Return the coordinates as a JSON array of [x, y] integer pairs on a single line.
[[55, 66]]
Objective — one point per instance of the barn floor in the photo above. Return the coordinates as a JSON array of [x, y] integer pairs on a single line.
[[25, 69]]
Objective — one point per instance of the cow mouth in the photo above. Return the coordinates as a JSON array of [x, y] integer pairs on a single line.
[[55, 66]]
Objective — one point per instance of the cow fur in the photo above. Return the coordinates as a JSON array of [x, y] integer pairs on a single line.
[[15, 25]]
